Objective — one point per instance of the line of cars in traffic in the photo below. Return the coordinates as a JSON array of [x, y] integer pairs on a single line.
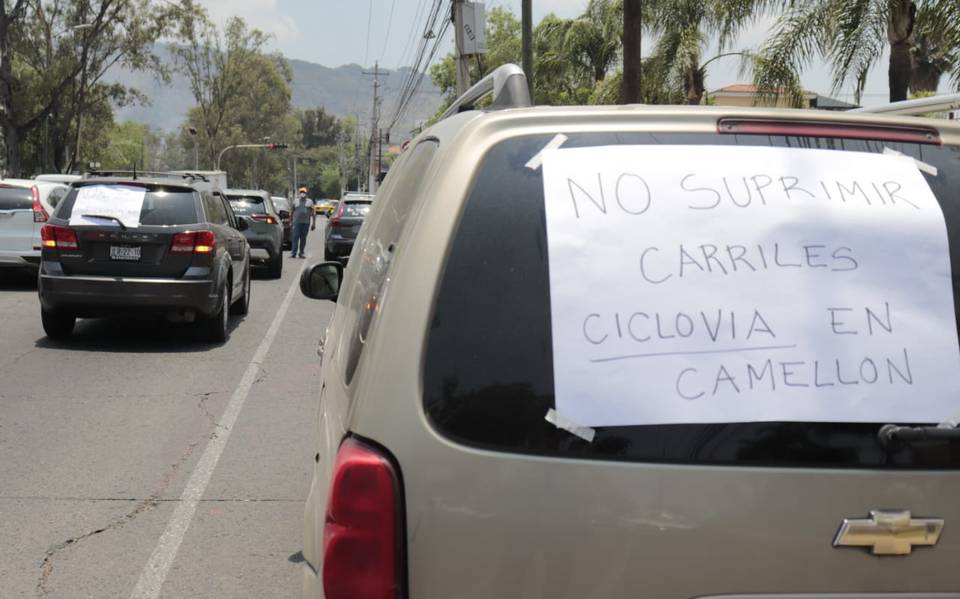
[[175, 244]]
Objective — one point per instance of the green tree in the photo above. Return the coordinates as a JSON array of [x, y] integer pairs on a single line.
[[53, 57], [593, 40], [684, 30], [319, 127], [218, 67], [853, 35]]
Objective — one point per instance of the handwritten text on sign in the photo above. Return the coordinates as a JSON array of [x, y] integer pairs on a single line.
[[95, 202], [695, 284]]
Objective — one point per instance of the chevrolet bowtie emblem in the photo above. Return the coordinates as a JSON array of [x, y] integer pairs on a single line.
[[889, 532]]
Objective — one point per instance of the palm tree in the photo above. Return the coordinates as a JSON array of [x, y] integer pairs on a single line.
[[684, 29], [593, 39], [853, 36]]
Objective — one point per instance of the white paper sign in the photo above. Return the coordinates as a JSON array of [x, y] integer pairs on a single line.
[[698, 284], [117, 201]]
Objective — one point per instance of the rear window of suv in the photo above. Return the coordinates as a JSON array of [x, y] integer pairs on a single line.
[[162, 206], [247, 205], [489, 368], [15, 198], [356, 209]]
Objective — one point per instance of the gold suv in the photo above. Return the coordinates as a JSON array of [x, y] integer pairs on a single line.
[[645, 351]]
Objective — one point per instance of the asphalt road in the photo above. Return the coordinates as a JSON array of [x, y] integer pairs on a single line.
[[100, 436]]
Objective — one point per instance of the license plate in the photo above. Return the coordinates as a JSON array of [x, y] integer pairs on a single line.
[[125, 252]]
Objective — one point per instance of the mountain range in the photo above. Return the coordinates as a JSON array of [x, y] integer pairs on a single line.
[[343, 91]]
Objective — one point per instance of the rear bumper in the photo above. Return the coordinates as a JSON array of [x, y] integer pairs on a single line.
[[266, 244], [93, 295], [339, 247]]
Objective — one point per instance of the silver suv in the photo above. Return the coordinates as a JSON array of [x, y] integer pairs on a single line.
[[645, 351]]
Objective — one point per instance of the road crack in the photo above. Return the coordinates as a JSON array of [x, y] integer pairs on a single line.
[[202, 406], [142, 506]]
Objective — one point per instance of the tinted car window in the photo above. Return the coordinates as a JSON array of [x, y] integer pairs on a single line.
[[162, 206], [379, 244], [15, 198], [247, 205], [282, 204], [488, 373], [214, 209], [356, 209], [56, 194]]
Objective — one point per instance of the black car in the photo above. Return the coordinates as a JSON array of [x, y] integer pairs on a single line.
[[345, 224], [143, 245]]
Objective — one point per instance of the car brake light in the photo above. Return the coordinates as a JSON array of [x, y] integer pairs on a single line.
[[193, 242], [61, 238], [205, 243], [39, 213], [362, 544], [335, 220], [891, 133], [264, 218]]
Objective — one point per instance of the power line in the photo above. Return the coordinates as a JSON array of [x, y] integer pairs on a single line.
[[366, 49], [424, 56], [386, 39], [407, 47], [418, 76]]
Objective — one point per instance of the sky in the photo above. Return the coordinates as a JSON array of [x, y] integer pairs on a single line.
[[335, 32]]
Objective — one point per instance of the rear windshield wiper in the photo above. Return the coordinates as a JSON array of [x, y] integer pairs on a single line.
[[891, 435], [106, 217]]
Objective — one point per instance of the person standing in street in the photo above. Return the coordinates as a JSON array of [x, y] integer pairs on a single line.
[[304, 220]]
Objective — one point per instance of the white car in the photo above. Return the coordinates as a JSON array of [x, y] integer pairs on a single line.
[[58, 178], [24, 206]]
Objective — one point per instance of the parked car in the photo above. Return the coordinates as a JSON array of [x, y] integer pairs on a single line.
[[342, 229], [265, 231], [58, 178], [527, 389], [24, 206], [284, 211], [144, 245], [325, 207]]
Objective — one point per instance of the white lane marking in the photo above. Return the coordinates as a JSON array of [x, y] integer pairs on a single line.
[[155, 572]]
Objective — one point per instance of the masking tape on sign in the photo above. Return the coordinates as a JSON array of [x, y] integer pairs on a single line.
[[584, 432], [923, 166], [535, 162]]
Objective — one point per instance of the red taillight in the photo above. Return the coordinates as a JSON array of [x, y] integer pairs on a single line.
[[39, 213], [335, 219], [193, 242], [60, 238], [362, 545], [264, 218], [917, 135]]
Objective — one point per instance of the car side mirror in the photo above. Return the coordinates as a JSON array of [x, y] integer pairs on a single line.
[[242, 224], [322, 281], [283, 214]]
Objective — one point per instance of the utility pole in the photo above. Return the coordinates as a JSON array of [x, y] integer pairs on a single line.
[[526, 18], [375, 127], [632, 52], [463, 68]]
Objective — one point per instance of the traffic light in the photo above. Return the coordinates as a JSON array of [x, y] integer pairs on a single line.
[[276, 146]]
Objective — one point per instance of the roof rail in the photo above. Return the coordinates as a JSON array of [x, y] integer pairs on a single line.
[[916, 107], [508, 85], [154, 174]]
